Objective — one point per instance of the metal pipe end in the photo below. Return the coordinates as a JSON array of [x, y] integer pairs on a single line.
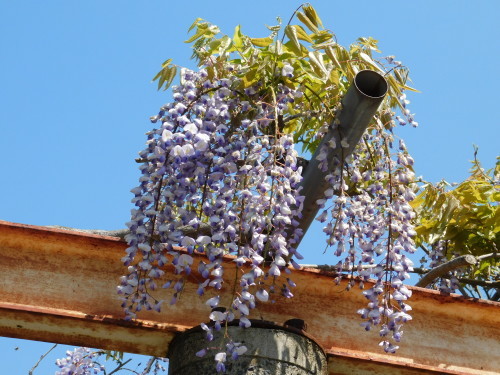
[[371, 84]]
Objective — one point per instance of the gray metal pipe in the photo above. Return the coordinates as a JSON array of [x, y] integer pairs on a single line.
[[359, 104]]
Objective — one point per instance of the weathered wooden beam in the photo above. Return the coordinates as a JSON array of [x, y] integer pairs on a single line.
[[59, 286]]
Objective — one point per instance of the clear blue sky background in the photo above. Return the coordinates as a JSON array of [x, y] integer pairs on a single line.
[[76, 95]]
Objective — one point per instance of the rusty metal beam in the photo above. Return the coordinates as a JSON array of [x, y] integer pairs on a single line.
[[80, 329], [59, 286]]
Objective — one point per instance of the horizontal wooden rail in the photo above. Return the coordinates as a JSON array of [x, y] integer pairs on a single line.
[[59, 286]]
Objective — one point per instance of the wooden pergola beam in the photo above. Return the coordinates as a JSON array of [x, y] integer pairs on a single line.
[[59, 286]]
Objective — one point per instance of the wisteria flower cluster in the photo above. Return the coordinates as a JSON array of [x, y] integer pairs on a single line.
[[370, 225], [220, 175], [218, 165], [437, 256], [79, 362], [215, 165]]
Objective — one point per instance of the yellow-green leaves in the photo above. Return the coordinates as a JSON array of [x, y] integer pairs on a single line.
[[166, 75], [195, 23], [306, 21], [296, 33], [302, 34], [316, 59], [371, 64], [310, 18], [113, 354], [322, 68], [238, 37], [330, 52], [291, 33], [225, 44], [203, 30], [250, 78], [261, 42], [311, 14], [467, 217], [369, 44]]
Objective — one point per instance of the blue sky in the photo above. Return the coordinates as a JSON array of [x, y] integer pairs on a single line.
[[76, 96]]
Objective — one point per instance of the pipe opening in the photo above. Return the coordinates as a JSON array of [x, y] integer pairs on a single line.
[[371, 83]]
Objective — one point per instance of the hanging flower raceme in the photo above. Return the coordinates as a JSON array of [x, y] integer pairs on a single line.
[[437, 256], [79, 362], [217, 178], [371, 228]]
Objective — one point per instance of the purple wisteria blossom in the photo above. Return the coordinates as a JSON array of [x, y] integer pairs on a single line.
[[437, 254], [217, 164], [213, 163], [79, 362], [371, 228]]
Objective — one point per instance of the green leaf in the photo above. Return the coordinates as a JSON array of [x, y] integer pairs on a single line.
[[274, 28], [158, 75], [166, 63], [334, 78], [363, 56], [312, 15], [225, 43], [196, 21], [238, 37], [394, 85], [323, 37], [495, 196], [261, 42], [166, 76], [302, 34], [200, 31], [411, 89], [213, 46], [448, 209], [306, 21], [291, 33], [333, 57], [115, 355], [250, 78], [278, 48], [328, 43], [369, 44], [317, 60]]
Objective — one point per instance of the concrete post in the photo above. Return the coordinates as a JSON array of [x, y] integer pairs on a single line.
[[272, 350]]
